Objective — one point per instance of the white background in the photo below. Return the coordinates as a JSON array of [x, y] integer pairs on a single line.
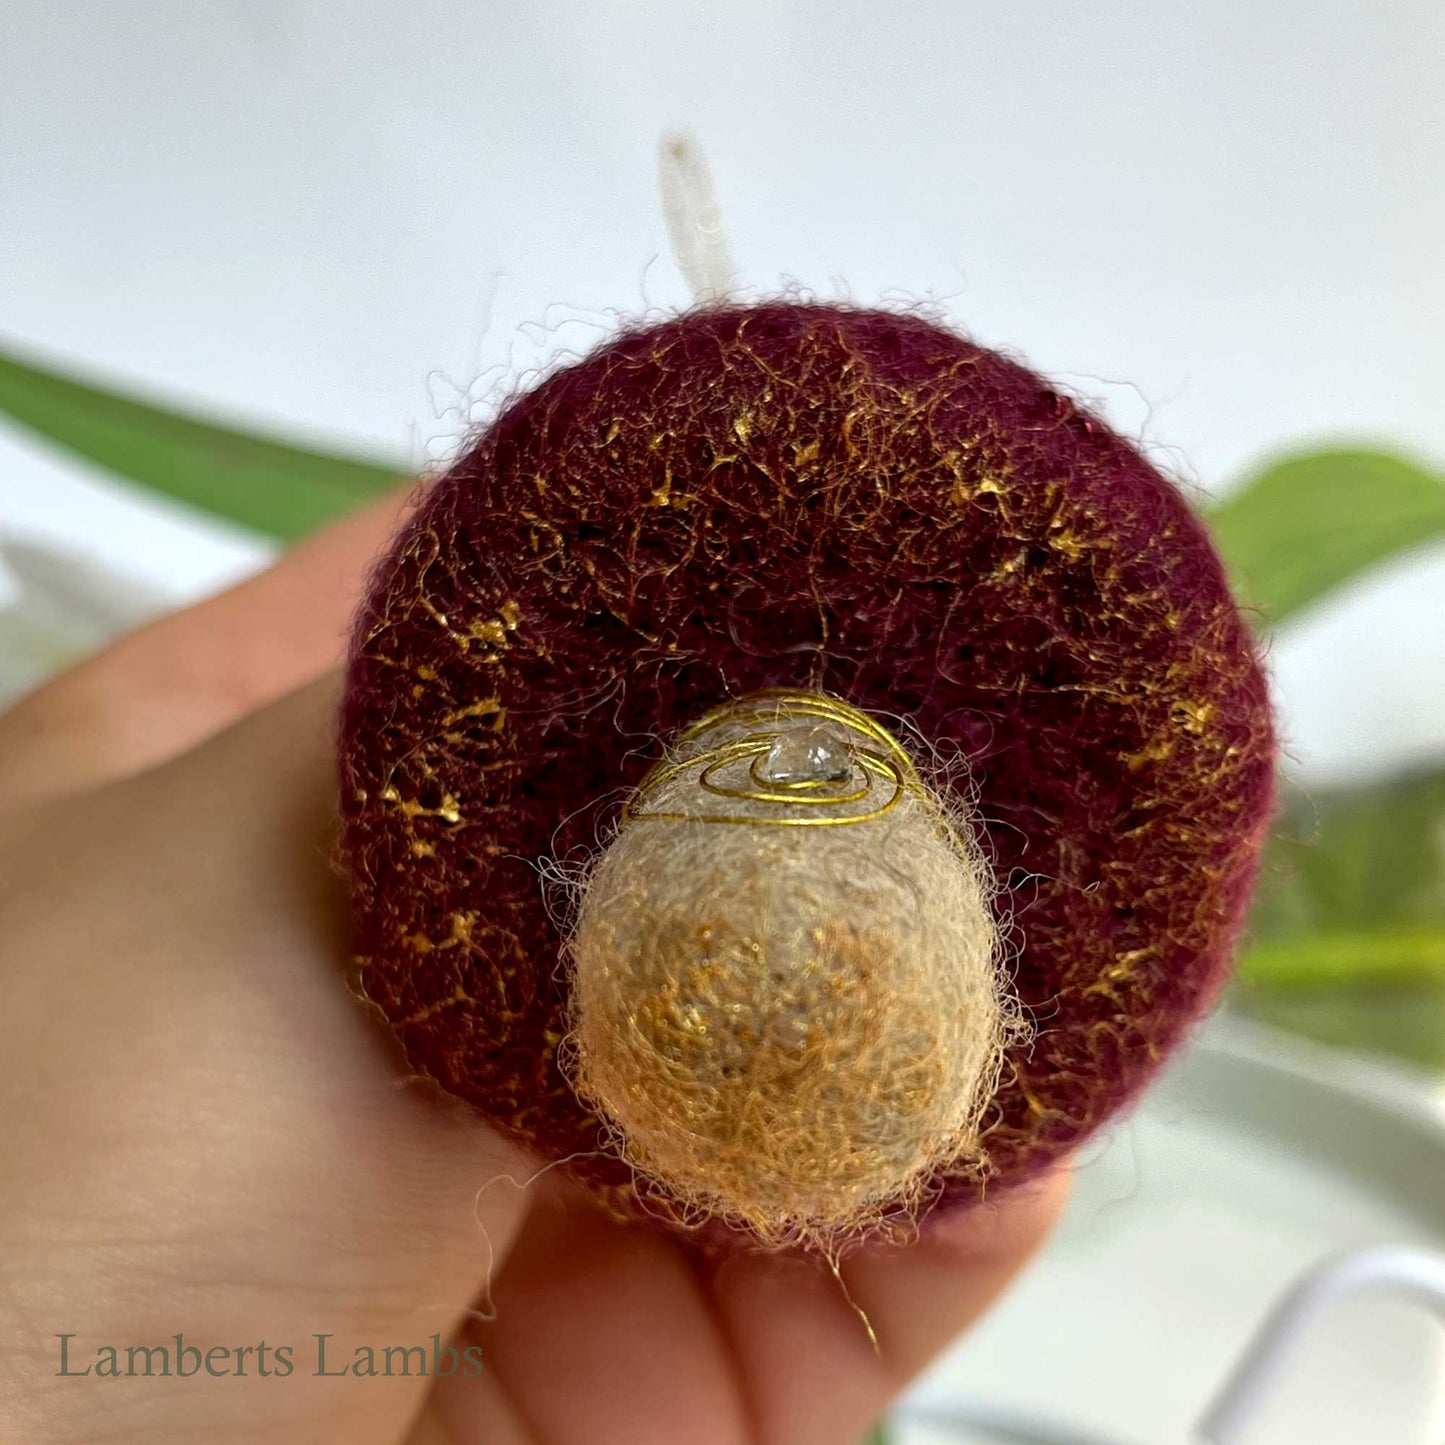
[[1223, 220]]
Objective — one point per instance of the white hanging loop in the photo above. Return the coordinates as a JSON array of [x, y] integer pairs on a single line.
[[1413, 1274], [694, 222]]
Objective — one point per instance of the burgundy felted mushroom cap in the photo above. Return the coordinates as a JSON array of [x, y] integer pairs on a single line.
[[800, 502]]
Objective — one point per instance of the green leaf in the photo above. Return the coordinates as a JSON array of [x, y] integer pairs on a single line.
[[878, 1435], [1305, 524], [1348, 928], [1350, 860], [1404, 1023], [261, 482]]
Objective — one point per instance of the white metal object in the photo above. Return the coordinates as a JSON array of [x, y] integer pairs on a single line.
[[1414, 1274]]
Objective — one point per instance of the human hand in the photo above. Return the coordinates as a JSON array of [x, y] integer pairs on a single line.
[[206, 1135]]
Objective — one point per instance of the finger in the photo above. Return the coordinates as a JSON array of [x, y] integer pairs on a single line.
[[167, 686], [814, 1374], [763, 1349], [604, 1333], [471, 1411]]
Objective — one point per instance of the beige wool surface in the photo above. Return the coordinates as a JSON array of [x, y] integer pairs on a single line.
[[788, 1002]]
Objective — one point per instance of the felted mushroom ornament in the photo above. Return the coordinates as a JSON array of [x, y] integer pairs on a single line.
[[800, 769]]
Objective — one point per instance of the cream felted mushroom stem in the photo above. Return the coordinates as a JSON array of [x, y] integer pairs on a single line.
[[786, 993]]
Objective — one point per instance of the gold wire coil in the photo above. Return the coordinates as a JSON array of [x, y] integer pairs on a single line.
[[884, 764]]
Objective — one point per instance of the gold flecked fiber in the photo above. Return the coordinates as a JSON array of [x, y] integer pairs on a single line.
[[867, 505], [787, 1003]]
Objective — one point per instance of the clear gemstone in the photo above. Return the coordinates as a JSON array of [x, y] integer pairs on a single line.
[[810, 753]]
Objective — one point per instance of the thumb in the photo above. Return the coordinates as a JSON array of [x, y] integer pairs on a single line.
[[166, 686], [207, 1135]]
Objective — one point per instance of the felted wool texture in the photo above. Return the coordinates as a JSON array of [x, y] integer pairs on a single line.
[[852, 501], [789, 1013]]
